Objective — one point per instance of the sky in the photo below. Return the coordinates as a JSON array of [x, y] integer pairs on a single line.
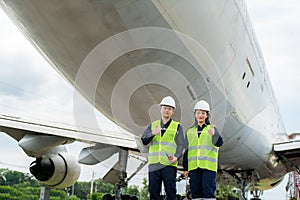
[[30, 88]]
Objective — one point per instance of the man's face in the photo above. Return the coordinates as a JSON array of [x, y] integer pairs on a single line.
[[166, 111]]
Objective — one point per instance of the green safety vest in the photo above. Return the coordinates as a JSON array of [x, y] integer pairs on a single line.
[[202, 153], [162, 146]]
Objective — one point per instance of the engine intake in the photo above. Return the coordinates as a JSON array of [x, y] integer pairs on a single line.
[[57, 170]]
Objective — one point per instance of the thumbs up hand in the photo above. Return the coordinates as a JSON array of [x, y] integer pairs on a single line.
[[156, 130], [211, 130]]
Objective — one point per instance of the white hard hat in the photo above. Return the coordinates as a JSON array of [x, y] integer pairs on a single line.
[[202, 105], [168, 101]]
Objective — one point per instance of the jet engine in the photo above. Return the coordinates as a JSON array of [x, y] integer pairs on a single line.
[[56, 170]]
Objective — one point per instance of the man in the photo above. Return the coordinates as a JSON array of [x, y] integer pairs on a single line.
[[167, 141]]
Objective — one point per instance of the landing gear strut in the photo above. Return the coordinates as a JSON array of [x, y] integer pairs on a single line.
[[123, 180]]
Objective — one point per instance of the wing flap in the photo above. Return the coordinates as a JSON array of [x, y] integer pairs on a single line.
[[113, 175]]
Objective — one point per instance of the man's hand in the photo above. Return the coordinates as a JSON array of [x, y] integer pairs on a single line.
[[156, 130]]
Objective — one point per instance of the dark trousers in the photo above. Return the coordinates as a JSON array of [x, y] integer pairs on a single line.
[[167, 175], [202, 183]]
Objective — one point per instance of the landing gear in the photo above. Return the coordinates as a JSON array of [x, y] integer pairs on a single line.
[[120, 186], [247, 181], [244, 184], [123, 180], [244, 190], [256, 194]]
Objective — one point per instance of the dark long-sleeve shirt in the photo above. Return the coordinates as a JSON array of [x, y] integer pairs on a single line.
[[179, 138], [217, 140]]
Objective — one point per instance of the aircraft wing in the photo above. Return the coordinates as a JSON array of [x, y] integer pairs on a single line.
[[18, 128], [54, 166]]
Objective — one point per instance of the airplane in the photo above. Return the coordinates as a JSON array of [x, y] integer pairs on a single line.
[[124, 56]]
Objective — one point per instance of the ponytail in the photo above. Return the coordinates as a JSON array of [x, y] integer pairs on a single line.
[[207, 119]]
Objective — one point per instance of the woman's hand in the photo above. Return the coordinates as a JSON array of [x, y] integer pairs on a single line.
[[211, 130]]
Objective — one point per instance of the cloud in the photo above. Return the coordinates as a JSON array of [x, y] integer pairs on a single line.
[[29, 86]]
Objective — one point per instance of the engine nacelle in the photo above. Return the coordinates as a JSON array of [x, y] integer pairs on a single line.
[[57, 170]]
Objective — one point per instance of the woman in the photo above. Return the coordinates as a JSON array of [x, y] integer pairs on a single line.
[[201, 159]]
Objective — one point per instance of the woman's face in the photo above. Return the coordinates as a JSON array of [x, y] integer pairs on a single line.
[[201, 116]]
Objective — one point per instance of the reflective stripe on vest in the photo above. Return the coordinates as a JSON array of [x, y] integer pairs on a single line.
[[202, 152], [162, 146]]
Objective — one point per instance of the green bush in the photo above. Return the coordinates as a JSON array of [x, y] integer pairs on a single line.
[[72, 197], [4, 196], [95, 196], [58, 193], [10, 190]]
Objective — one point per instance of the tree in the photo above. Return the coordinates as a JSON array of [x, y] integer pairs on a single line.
[[82, 189], [72, 197], [9, 177], [95, 196], [226, 191], [104, 187], [144, 194], [2, 177], [60, 194], [23, 186], [132, 190], [17, 185], [8, 192]]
